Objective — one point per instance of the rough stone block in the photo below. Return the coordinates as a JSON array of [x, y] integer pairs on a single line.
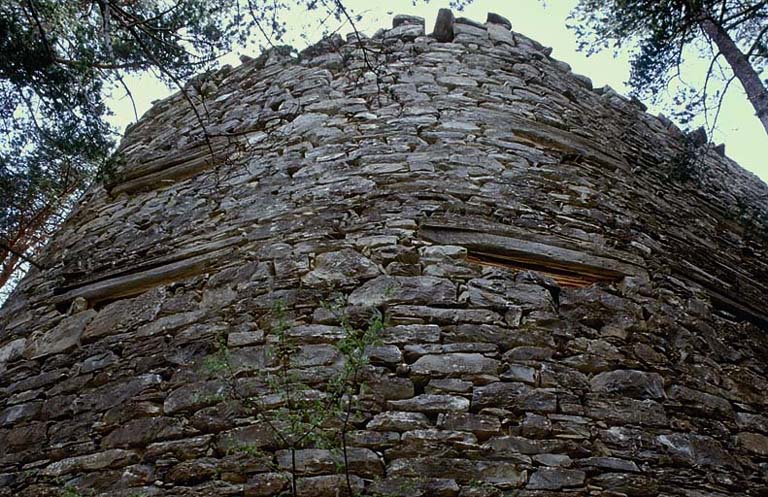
[[114, 458], [401, 289], [454, 365], [61, 338], [753, 442], [555, 479], [494, 18], [443, 31], [431, 404], [630, 383], [344, 267], [11, 351]]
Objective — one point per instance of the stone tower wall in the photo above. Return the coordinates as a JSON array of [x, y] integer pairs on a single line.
[[572, 292]]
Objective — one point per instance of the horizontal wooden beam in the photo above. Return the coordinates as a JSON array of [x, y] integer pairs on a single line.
[[165, 177], [563, 276], [143, 279], [531, 253], [146, 264], [726, 296]]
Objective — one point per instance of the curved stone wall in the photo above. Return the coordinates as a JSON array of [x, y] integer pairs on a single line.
[[469, 271]]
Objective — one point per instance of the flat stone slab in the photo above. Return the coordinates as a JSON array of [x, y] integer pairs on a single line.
[[454, 364], [400, 289]]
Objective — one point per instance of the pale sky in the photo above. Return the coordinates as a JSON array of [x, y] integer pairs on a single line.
[[744, 137]]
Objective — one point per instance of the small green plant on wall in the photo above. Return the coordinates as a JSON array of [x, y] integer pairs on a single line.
[[297, 415], [69, 491]]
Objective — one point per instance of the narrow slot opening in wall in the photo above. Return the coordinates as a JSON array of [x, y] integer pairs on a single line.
[[560, 273], [738, 311], [138, 279], [570, 266]]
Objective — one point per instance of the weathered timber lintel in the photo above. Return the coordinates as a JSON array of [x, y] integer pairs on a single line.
[[724, 297], [147, 264], [134, 283], [165, 177], [562, 275], [137, 170], [568, 262], [564, 141], [160, 172], [464, 223]]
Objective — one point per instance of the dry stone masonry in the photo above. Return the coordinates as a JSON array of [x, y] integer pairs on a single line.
[[569, 294]]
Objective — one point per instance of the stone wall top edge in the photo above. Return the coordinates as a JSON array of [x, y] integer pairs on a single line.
[[411, 29]]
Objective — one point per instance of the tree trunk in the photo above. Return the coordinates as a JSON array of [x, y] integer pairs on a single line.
[[9, 265], [757, 93]]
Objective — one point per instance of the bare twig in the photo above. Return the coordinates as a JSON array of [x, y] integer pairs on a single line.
[[129, 94], [181, 87], [722, 97]]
